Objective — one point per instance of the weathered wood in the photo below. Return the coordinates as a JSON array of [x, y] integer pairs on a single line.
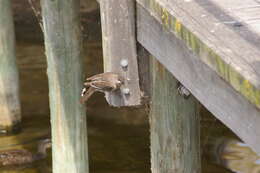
[[143, 59], [119, 49], [174, 123], [202, 27], [63, 42], [10, 111], [233, 155], [242, 117], [245, 14]]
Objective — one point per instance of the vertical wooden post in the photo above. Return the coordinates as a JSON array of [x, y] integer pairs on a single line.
[[174, 125], [10, 111], [119, 49], [63, 43]]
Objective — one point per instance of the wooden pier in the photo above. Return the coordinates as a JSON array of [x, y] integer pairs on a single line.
[[192, 51]]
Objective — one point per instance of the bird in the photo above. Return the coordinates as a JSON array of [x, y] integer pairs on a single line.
[[23, 156], [104, 82]]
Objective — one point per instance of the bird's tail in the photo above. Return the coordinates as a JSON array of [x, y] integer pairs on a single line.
[[87, 95]]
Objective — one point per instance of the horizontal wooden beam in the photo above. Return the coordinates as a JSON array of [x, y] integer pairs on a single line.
[[231, 51], [228, 105]]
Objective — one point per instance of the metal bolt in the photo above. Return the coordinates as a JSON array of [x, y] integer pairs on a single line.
[[126, 91], [184, 91], [124, 63]]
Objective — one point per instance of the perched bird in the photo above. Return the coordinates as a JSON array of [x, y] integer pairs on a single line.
[[104, 82], [22, 156]]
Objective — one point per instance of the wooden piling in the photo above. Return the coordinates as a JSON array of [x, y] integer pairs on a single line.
[[10, 111], [63, 42], [174, 125], [232, 154]]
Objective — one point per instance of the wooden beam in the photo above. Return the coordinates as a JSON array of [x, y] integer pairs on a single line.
[[63, 42], [10, 110], [174, 123], [201, 26], [119, 49], [242, 117]]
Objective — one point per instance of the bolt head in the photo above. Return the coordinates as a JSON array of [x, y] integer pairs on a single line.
[[126, 91], [124, 63], [184, 91]]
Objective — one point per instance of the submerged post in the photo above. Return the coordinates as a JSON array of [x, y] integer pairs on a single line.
[[10, 111], [232, 154], [63, 42], [174, 123]]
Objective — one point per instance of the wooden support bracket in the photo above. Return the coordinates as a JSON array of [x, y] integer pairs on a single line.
[[119, 49]]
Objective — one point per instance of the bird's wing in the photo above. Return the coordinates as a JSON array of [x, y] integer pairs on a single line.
[[102, 85], [100, 76]]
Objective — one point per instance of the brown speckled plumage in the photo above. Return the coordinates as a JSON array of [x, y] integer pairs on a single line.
[[104, 82]]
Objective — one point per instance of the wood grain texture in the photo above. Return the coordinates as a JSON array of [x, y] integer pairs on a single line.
[[63, 42], [10, 111], [174, 123], [144, 72], [231, 51], [246, 12], [222, 100], [119, 42]]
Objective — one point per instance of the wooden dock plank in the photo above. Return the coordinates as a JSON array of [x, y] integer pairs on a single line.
[[247, 12], [228, 105], [230, 51]]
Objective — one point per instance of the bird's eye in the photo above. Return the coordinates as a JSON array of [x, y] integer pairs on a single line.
[[83, 92]]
